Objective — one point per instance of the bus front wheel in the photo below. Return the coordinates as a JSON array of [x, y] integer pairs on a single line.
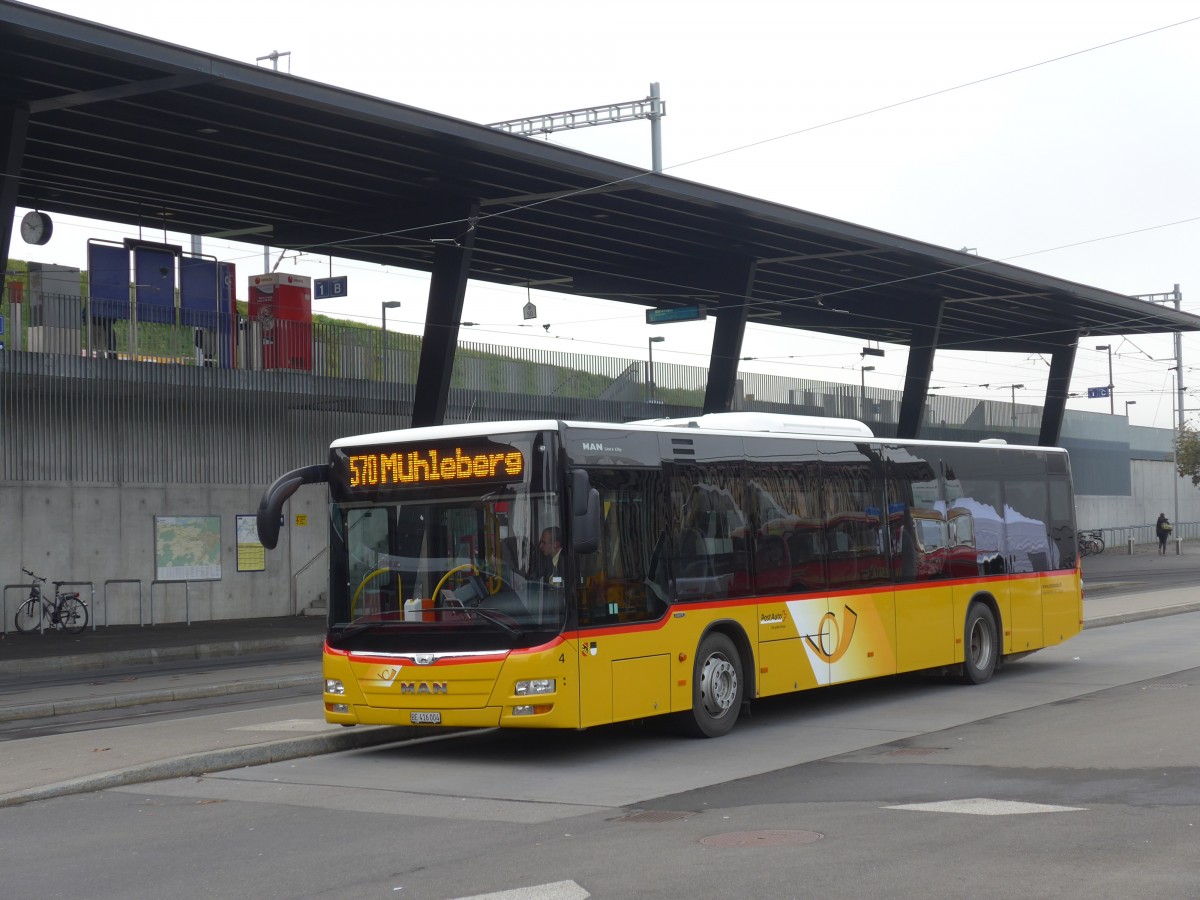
[[717, 688], [981, 644]]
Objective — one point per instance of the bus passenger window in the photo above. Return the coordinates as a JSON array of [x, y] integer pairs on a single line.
[[624, 580]]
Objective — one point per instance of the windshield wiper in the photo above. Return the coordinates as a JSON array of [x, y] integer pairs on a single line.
[[352, 629], [495, 619]]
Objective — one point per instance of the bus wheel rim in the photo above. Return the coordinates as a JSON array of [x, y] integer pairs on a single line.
[[981, 644], [718, 685]]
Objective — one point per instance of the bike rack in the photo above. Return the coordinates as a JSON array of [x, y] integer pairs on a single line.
[[187, 599], [91, 586], [138, 582], [4, 604]]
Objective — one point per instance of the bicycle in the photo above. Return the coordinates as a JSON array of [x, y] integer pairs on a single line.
[[66, 611], [1090, 543]]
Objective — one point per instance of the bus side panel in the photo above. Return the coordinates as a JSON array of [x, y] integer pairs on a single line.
[[1025, 609], [783, 663], [641, 687], [812, 623], [924, 626], [861, 640], [1062, 606]]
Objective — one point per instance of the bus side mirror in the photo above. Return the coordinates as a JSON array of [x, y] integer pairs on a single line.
[[585, 514], [270, 507]]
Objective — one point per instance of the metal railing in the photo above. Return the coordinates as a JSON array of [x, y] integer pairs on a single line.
[[4, 604], [187, 599], [224, 399], [1118, 537], [138, 582], [296, 576], [91, 586]]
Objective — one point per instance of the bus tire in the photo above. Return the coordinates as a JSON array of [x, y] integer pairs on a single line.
[[717, 687], [981, 644]]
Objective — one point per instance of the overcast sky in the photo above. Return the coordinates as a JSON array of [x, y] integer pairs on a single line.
[[1080, 162]]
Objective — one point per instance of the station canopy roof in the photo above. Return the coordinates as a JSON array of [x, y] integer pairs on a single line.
[[127, 129]]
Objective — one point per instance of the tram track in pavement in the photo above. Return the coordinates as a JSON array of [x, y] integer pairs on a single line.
[[16, 729], [110, 695]]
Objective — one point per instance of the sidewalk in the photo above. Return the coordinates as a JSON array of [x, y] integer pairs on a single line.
[[236, 653], [131, 645]]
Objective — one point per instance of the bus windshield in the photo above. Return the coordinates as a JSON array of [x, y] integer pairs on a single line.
[[468, 566]]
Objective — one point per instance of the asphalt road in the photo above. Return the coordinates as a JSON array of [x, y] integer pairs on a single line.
[[1073, 774]]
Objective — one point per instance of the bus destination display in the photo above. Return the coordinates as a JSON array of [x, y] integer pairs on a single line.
[[384, 467]]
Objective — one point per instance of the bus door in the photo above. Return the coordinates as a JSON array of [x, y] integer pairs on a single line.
[[1027, 528], [626, 669], [783, 496], [978, 551], [919, 533], [857, 637]]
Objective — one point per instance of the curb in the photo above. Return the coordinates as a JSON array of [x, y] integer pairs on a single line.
[[162, 695], [220, 760], [1139, 615], [147, 656]]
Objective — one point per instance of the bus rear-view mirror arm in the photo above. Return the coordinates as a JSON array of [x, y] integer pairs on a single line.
[[270, 507]]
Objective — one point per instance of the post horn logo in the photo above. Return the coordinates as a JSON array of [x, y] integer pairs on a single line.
[[829, 632]]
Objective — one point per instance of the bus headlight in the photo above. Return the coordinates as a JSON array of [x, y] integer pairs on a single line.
[[531, 710], [334, 686], [535, 686]]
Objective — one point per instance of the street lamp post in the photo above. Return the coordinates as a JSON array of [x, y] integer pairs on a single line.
[[1015, 388], [1112, 406], [383, 308], [862, 391], [1129, 403], [657, 339], [1178, 370]]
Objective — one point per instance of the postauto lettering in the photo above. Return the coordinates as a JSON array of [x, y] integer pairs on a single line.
[[378, 468]]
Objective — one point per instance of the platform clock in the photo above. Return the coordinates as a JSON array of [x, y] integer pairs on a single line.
[[36, 228]]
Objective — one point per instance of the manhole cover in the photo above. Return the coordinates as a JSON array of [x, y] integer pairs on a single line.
[[655, 815], [762, 839]]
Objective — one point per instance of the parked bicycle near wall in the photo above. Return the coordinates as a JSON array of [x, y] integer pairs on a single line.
[[66, 611], [1090, 543]]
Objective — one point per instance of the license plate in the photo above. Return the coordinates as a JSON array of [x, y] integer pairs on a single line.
[[425, 718]]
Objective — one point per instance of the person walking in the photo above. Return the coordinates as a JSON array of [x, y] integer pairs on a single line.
[[1162, 530]]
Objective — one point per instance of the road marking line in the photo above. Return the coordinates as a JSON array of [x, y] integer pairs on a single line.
[[982, 806], [557, 890]]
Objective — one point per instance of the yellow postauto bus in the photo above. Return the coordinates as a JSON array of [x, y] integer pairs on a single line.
[[550, 574]]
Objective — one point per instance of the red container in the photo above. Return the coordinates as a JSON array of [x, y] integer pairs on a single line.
[[281, 306]]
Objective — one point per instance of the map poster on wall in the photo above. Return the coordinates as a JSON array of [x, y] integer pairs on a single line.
[[251, 554], [187, 548]]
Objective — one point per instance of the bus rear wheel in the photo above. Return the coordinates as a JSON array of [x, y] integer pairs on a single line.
[[981, 645], [717, 688]]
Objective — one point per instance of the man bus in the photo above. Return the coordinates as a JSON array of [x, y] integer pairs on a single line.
[[704, 562]]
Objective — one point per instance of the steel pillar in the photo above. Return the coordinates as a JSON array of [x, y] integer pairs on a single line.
[[1062, 361], [727, 340], [447, 289], [921, 349], [14, 125]]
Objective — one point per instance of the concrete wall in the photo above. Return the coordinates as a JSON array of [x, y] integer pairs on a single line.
[[97, 533], [1153, 491]]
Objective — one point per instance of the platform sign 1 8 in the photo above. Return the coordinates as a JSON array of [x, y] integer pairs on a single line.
[[331, 288]]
